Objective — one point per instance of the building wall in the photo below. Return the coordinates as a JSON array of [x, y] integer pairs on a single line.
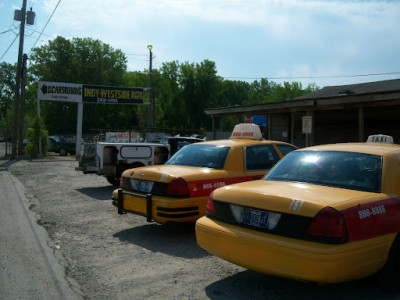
[[335, 126], [280, 127]]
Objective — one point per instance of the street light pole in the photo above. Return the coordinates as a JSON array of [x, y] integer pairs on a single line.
[[151, 104]]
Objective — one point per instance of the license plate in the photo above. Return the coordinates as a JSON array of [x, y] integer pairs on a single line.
[[255, 218], [142, 185]]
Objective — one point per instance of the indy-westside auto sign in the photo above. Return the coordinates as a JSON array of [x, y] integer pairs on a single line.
[[71, 92]]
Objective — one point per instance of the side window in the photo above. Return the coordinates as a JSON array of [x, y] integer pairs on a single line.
[[182, 144], [285, 149], [260, 157], [160, 155]]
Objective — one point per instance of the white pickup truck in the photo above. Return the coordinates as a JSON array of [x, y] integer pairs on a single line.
[[110, 159]]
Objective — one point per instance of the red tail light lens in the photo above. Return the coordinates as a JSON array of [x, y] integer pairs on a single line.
[[126, 173], [178, 187], [210, 203], [328, 223]]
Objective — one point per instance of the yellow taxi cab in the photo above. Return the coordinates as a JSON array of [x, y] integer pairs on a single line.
[[326, 214], [178, 191]]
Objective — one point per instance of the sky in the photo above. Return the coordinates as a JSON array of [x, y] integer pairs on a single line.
[[322, 42]]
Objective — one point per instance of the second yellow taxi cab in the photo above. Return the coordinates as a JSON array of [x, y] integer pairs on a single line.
[[326, 214], [178, 191]]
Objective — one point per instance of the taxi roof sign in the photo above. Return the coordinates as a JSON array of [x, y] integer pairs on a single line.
[[380, 138], [246, 131]]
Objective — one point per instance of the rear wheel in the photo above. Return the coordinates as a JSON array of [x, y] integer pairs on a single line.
[[63, 151], [113, 180], [389, 276]]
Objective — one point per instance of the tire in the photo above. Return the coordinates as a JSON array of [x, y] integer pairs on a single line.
[[112, 180], [63, 151], [389, 276]]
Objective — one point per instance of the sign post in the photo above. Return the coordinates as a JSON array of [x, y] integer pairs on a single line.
[[307, 128]]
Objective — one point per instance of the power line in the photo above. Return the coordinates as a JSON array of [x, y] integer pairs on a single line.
[[45, 25], [315, 77], [6, 31], [9, 46], [137, 54]]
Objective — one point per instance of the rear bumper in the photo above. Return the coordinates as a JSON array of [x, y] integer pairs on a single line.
[[293, 258], [157, 208]]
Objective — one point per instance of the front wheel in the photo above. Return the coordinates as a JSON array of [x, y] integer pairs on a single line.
[[113, 180], [389, 276], [63, 151]]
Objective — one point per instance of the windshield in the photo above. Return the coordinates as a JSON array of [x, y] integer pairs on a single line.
[[57, 139], [349, 170], [195, 155]]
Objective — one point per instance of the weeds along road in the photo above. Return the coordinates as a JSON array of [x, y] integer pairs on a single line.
[[124, 257]]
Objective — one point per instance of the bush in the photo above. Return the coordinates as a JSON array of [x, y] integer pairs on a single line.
[[33, 133]]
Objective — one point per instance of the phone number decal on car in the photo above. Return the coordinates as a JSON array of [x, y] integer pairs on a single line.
[[377, 210], [207, 186]]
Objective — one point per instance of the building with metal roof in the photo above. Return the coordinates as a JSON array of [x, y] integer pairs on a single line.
[[333, 114]]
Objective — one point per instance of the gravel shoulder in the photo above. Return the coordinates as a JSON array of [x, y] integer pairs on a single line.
[[124, 257]]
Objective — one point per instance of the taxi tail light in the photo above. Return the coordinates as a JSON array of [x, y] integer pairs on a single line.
[[121, 179], [210, 204], [177, 187], [328, 223]]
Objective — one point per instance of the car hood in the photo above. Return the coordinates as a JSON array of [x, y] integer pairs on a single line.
[[166, 173], [290, 197]]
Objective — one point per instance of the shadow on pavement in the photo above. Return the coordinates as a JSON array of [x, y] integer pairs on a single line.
[[253, 285], [99, 193], [7, 163], [175, 240]]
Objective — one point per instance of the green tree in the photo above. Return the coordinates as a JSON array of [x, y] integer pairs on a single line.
[[199, 83], [182, 91], [232, 93], [35, 133], [7, 91], [136, 115], [86, 61], [169, 106], [289, 90]]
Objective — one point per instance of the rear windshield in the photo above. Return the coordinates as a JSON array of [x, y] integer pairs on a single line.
[[197, 155], [349, 170]]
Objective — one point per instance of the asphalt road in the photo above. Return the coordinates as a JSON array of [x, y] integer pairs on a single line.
[[31, 267]]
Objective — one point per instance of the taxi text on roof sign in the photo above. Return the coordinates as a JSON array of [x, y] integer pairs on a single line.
[[380, 138], [246, 131]]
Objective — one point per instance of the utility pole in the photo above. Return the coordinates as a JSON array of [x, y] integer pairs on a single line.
[[18, 75], [20, 15], [21, 149]]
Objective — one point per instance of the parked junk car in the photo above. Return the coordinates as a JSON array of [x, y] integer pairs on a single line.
[[61, 146], [110, 159], [178, 190], [325, 214]]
